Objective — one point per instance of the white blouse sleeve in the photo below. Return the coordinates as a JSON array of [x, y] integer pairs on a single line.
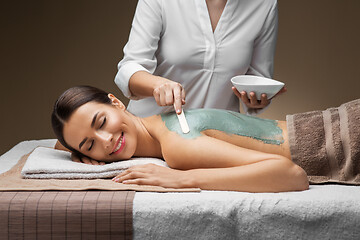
[[262, 63], [139, 52]]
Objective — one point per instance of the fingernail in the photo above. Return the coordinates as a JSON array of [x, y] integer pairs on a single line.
[[178, 111]]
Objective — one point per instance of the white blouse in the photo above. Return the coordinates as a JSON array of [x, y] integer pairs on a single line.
[[174, 39]]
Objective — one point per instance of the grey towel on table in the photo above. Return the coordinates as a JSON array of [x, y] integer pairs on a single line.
[[47, 163], [326, 144]]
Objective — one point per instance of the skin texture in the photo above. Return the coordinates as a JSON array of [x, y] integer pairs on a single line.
[[215, 8], [215, 160]]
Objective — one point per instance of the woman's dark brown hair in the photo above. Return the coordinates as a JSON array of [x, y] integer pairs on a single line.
[[68, 102]]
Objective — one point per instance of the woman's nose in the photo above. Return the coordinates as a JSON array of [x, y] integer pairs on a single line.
[[105, 137]]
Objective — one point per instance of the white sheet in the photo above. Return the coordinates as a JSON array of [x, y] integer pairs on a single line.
[[323, 212]]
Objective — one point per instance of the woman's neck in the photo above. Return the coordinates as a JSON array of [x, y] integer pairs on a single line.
[[147, 145]]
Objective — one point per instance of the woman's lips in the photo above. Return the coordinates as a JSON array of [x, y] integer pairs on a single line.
[[120, 144]]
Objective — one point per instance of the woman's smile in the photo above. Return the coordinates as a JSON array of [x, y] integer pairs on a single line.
[[120, 144], [107, 132]]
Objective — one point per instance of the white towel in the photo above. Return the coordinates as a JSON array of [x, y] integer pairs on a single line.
[[51, 163]]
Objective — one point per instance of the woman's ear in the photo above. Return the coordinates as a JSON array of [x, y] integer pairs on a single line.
[[115, 101]]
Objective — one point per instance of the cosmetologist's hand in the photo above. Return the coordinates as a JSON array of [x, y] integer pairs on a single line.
[[252, 102], [85, 160], [152, 174], [170, 93]]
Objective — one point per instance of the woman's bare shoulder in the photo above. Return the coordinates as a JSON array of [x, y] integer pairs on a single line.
[[172, 144], [156, 127]]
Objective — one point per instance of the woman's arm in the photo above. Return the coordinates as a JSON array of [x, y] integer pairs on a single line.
[[262, 62], [135, 76], [139, 51], [273, 175], [213, 164], [268, 176], [165, 91]]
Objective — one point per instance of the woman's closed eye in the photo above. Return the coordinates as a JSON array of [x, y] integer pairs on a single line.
[[101, 125], [91, 145], [103, 122]]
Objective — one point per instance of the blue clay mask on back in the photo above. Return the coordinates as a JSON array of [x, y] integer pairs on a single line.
[[199, 120]]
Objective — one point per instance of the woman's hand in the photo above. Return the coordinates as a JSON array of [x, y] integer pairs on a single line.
[[152, 174], [85, 160], [165, 91], [252, 102], [170, 93]]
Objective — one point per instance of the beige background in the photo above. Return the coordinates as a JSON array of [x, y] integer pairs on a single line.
[[48, 46]]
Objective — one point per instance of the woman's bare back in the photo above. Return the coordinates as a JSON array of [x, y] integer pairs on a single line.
[[262, 135]]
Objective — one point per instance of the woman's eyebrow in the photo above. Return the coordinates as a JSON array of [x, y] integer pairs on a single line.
[[94, 119], [82, 142]]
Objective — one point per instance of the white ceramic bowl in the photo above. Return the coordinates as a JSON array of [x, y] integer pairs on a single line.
[[258, 85]]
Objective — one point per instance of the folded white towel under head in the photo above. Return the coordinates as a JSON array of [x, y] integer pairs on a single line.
[[51, 163]]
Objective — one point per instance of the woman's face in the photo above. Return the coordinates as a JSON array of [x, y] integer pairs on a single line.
[[102, 131]]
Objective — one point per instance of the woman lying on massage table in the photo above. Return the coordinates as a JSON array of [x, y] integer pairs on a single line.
[[223, 150]]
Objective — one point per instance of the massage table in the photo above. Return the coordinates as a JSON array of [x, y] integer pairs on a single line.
[[323, 212]]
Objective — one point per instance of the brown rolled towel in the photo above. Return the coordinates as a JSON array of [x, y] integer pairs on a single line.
[[326, 144]]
